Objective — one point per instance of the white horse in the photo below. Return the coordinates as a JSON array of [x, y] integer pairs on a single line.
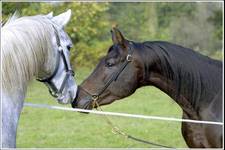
[[33, 46]]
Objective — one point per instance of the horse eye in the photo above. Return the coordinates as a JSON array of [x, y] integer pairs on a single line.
[[108, 64], [68, 47]]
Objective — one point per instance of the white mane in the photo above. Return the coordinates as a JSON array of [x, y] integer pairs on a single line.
[[26, 47], [12, 18]]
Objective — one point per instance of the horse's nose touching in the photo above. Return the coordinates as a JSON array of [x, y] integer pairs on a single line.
[[81, 101]]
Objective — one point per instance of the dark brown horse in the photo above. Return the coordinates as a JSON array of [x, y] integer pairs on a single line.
[[194, 81]]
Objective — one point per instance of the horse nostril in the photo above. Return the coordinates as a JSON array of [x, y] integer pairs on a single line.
[[74, 103]]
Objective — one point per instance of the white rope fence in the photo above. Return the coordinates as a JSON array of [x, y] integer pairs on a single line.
[[121, 114]]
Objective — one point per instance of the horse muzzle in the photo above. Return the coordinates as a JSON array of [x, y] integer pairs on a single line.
[[84, 103]]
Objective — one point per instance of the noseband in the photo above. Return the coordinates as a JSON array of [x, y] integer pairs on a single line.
[[114, 76], [53, 90]]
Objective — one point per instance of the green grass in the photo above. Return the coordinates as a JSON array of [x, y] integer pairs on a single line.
[[39, 127]]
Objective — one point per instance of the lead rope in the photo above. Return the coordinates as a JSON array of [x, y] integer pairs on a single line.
[[117, 130]]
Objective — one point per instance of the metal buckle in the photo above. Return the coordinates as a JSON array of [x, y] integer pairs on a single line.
[[129, 57], [60, 48], [94, 97], [94, 100]]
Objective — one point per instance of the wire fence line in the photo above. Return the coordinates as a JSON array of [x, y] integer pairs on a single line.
[[120, 114]]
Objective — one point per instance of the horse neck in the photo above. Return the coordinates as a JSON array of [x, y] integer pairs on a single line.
[[161, 82], [164, 79]]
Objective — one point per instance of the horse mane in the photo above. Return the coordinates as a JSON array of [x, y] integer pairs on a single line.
[[12, 18], [194, 75], [26, 46]]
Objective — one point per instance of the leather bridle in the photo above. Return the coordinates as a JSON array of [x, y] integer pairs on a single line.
[[95, 97], [60, 54], [113, 77]]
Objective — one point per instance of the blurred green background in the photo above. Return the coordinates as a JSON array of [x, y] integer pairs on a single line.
[[194, 25]]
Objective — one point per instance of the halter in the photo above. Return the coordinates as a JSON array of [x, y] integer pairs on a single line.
[[53, 90], [114, 76]]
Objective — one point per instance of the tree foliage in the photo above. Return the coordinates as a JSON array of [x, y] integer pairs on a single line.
[[194, 25]]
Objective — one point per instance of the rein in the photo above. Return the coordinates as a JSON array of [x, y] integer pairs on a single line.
[[118, 131], [95, 97]]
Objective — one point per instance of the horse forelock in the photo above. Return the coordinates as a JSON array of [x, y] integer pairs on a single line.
[[27, 45]]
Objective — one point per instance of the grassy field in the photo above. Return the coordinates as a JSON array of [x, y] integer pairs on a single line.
[[54, 128]]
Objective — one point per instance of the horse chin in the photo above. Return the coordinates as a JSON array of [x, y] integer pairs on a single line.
[[107, 100], [88, 106], [63, 100], [87, 103]]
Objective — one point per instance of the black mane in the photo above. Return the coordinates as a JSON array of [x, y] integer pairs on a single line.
[[194, 75]]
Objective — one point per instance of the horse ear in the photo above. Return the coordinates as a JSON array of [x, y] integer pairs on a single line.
[[117, 37], [63, 18], [49, 15]]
